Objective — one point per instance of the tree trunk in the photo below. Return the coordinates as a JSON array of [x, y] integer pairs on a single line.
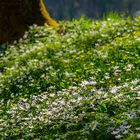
[[16, 16]]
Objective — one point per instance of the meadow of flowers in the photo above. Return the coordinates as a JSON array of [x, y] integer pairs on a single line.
[[80, 84]]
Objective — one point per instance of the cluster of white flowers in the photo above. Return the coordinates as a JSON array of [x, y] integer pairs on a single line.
[[86, 80]]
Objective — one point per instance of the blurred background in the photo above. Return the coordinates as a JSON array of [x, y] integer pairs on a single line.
[[69, 9]]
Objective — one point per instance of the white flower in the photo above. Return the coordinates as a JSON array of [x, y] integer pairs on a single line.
[[84, 83], [93, 83], [114, 90], [115, 132], [106, 77], [138, 128], [135, 82], [138, 93], [125, 132], [118, 136], [128, 67], [94, 127], [138, 136]]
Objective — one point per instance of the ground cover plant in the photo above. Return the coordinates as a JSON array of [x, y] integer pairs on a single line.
[[81, 85]]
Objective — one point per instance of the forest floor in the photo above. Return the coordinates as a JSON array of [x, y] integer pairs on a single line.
[[83, 84]]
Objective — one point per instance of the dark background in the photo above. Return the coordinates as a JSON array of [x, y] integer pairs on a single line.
[[68, 9]]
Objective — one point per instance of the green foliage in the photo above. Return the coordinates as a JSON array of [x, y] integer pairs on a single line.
[[81, 85]]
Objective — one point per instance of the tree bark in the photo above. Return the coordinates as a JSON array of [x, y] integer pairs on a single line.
[[16, 16]]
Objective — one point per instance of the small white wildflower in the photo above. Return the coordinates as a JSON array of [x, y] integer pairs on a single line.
[[135, 82], [118, 136], [105, 55], [67, 74], [99, 40], [52, 94], [138, 93], [125, 132], [72, 51], [137, 38], [138, 136], [54, 103], [31, 126], [119, 79], [27, 106], [79, 99], [93, 83], [84, 83], [125, 85], [128, 126], [40, 118], [11, 111], [62, 102], [115, 132], [113, 90], [94, 127], [106, 77], [1, 129], [118, 33], [138, 128], [128, 67], [68, 40], [33, 26], [73, 100], [104, 35]]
